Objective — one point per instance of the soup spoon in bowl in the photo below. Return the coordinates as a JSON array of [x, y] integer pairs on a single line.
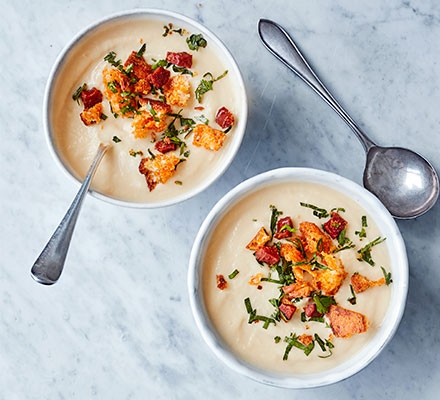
[[50, 263], [403, 180]]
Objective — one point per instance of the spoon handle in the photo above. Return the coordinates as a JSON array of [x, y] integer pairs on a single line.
[[281, 45], [49, 265]]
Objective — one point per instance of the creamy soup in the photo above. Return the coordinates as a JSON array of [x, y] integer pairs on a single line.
[[119, 176], [227, 252]]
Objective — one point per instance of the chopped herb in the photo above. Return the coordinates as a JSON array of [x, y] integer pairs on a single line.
[[168, 29], [336, 210], [298, 244], [111, 85], [317, 212], [182, 70], [320, 342], [178, 183], [78, 92], [135, 153], [322, 345], [196, 41], [207, 85], [233, 274], [129, 68], [152, 112], [277, 339], [254, 317], [111, 59], [293, 342], [227, 129], [319, 246], [387, 276], [365, 252], [160, 63], [303, 317], [352, 299], [341, 237], [362, 233], [116, 139], [103, 117], [323, 303], [202, 119], [287, 228], [141, 51], [274, 219], [153, 156], [364, 221]]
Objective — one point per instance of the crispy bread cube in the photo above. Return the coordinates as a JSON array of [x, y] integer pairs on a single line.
[[361, 283], [177, 90], [115, 83], [146, 122], [298, 289], [207, 137], [92, 115], [255, 279], [291, 253], [312, 235], [305, 339], [260, 239], [345, 323], [330, 280], [158, 169]]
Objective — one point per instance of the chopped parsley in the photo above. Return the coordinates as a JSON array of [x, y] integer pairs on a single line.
[[135, 153], [365, 252], [202, 119], [116, 139], [322, 346], [168, 29], [253, 317], [292, 341], [103, 117], [153, 156], [362, 233], [277, 339], [387, 276], [141, 51], [78, 92], [323, 302], [176, 68], [178, 183], [317, 212], [352, 300], [287, 228], [196, 41], [233, 274], [206, 85], [344, 242], [274, 219]]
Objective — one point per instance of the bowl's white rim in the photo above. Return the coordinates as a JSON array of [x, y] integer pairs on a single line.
[[399, 288], [57, 66]]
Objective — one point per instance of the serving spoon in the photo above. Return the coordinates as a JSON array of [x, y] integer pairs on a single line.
[[50, 263], [403, 180]]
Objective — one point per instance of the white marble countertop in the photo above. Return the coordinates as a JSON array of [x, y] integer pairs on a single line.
[[118, 325]]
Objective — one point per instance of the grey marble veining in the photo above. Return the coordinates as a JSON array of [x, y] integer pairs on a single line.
[[118, 324]]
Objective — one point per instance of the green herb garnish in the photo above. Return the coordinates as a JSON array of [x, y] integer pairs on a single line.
[[153, 156], [178, 183], [322, 345], [135, 153], [352, 299], [274, 218], [103, 117], [78, 92], [233, 274], [323, 303], [293, 342], [196, 41], [168, 29], [277, 339], [287, 228], [254, 317], [365, 252], [152, 112], [317, 212], [387, 276], [207, 85], [116, 139], [141, 51]]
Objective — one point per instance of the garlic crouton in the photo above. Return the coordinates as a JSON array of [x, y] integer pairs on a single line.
[[115, 83], [158, 169], [207, 137], [177, 91], [345, 323], [260, 239], [92, 115], [330, 280], [312, 235], [360, 283], [291, 253], [152, 118], [305, 339]]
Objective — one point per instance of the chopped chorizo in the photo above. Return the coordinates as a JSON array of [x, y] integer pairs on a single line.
[[285, 233], [159, 77], [221, 282], [141, 69], [345, 323], [260, 239], [92, 115], [361, 283], [298, 289], [164, 146], [158, 169], [312, 235], [305, 339], [207, 137], [287, 311], [224, 118], [311, 312], [267, 254], [335, 225], [91, 97], [177, 91], [181, 59]]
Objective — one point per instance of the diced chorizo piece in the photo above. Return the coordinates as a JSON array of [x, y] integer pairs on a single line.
[[260, 239], [207, 137], [287, 311], [159, 77], [141, 69], [221, 282], [335, 225], [92, 115], [255, 279], [165, 145], [224, 118], [267, 254], [158, 169], [181, 59], [361, 283], [312, 235], [284, 233], [330, 280], [91, 97], [148, 122], [345, 323], [142, 86], [290, 253], [177, 91], [305, 339], [298, 289], [311, 312]]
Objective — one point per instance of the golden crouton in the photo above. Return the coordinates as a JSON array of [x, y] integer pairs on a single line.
[[207, 137], [312, 235], [158, 169], [291, 253], [330, 280], [260, 239], [256, 279], [305, 339], [142, 86], [146, 122], [345, 323], [298, 289], [360, 283], [115, 83], [177, 90], [92, 115]]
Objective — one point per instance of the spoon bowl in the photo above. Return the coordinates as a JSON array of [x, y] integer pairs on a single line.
[[403, 180]]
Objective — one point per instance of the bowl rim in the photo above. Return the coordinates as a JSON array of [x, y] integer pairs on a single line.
[[137, 12], [369, 351]]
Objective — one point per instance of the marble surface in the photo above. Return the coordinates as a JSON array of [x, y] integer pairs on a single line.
[[118, 324]]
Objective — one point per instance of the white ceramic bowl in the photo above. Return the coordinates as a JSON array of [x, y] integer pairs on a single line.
[[399, 268], [178, 20]]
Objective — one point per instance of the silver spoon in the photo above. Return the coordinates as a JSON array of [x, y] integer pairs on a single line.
[[403, 180], [49, 265]]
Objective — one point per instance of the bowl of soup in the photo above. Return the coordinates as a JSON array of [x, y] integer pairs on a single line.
[[162, 91], [298, 278]]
